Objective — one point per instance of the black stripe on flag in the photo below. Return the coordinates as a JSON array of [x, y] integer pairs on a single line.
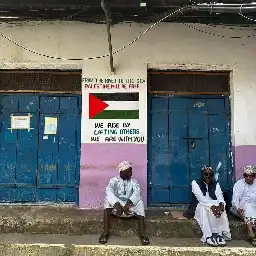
[[133, 96]]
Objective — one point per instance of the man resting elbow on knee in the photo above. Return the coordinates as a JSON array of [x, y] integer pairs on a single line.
[[123, 199]]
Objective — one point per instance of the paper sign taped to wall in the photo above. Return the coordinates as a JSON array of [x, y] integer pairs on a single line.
[[20, 122], [50, 125]]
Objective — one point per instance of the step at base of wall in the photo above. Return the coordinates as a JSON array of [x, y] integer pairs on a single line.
[[70, 220], [75, 245]]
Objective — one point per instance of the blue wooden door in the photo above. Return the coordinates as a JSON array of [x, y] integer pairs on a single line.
[[35, 167], [18, 151], [59, 154], [185, 134]]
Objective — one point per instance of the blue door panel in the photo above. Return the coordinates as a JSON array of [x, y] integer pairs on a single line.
[[26, 167], [198, 142], [47, 195], [66, 195], [47, 154], [69, 103], [178, 104], [180, 195], [8, 154], [159, 146], [185, 134], [159, 104], [49, 104], [28, 104], [210, 106], [160, 195], [179, 166], [67, 170], [62, 195], [10, 103], [47, 171], [198, 157], [218, 147], [216, 106], [8, 137], [27, 142], [7, 194], [78, 149], [198, 125], [36, 167], [25, 195], [198, 105], [67, 134]]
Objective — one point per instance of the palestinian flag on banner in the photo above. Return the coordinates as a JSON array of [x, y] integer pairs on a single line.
[[114, 105]]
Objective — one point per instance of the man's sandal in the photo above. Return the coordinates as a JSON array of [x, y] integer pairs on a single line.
[[144, 240], [251, 240], [103, 239]]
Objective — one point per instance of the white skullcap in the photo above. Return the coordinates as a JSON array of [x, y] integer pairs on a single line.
[[204, 168], [249, 169], [124, 166]]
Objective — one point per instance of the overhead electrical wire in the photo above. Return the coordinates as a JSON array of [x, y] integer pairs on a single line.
[[180, 10], [218, 35], [241, 14], [215, 34]]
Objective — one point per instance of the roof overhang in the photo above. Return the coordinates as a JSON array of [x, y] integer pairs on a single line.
[[144, 11]]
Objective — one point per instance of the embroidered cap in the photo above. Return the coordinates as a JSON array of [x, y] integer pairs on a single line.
[[124, 165], [207, 168], [249, 169]]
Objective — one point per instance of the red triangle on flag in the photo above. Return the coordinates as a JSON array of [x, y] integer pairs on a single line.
[[96, 105]]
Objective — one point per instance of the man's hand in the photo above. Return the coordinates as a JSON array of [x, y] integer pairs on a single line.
[[221, 207], [127, 207], [215, 211], [119, 209], [220, 210], [240, 213]]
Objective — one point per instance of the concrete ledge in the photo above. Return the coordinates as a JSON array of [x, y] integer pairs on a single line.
[[70, 220], [87, 245], [58, 250]]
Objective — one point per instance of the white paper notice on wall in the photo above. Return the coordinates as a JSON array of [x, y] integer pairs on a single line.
[[20, 122], [50, 125]]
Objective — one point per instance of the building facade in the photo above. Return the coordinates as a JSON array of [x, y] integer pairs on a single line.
[[180, 97]]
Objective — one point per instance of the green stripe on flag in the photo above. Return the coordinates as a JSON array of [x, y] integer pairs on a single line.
[[118, 114]]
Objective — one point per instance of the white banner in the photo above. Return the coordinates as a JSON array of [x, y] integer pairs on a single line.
[[114, 110]]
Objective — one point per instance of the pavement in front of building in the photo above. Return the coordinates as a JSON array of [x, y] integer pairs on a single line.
[[64, 239], [87, 245]]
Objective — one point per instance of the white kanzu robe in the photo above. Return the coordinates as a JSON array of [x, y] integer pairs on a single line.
[[119, 190], [208, 223], [244, 197]]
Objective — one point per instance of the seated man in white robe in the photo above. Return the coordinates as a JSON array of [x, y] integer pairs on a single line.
[[244, 201], [209, 208], [123, 199]]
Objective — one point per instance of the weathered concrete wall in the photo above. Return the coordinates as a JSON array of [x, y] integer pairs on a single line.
[[162, 47]]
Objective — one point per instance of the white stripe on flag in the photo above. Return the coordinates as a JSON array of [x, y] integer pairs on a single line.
[[122, 105]]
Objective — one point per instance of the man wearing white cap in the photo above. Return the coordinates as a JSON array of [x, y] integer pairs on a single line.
[[208, 208], [123, 199], [244, 201]]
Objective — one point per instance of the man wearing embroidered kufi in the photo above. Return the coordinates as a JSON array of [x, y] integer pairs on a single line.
[[244, 201], [123, 199]]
